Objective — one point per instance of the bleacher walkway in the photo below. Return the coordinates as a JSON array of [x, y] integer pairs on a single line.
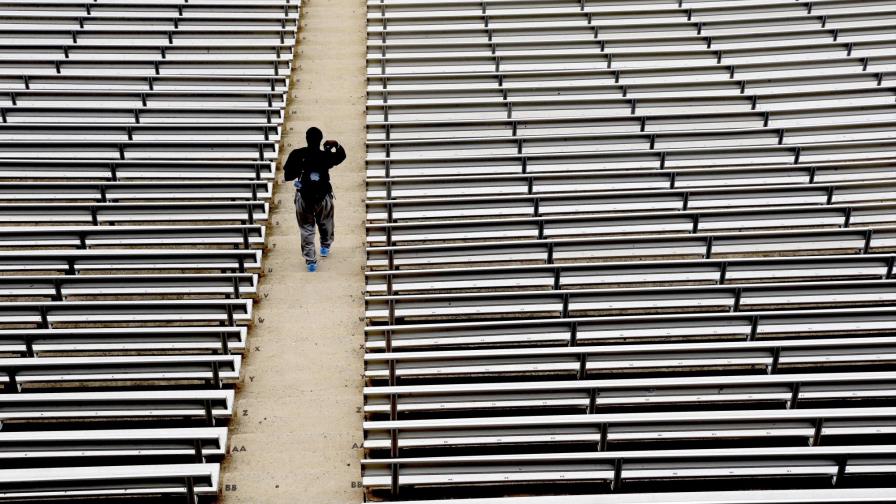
[[138, 141], [631, 251]]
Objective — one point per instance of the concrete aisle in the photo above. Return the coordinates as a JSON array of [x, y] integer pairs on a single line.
[[297, 419]]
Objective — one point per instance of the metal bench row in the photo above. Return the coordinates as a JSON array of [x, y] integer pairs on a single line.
[[842, 495], [658, 273], [19, 170], [73, 341], [783, 390], [404, 188]]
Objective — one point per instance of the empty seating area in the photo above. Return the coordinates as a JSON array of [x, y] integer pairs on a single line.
[[138, 145], [630, 251]]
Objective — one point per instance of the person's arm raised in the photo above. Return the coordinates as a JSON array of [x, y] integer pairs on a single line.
[[336, 152]]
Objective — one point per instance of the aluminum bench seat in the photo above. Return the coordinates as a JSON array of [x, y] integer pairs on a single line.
[[538, 141], [665, 17], [137, 260], [472, 121], [277, 6], [92, 446], [126, 170], [142, 149], [19, 411], [141, 133], [655, 273], [686, 156], [108, 14], [126, 311], [416, 5], [499, 184], [148, 67], [443, 232], [248, 236], [100, 83], [79, 286], [494, 127], [147, 98], [642, 159], [150, 369], [635, 247], [120, 481], [805, 495], [734, 100], [124, 114], [774, 356], [135, 190], [400, 6], [642, 61], [638, 465], [657, 393], [787, 35], [722, 432], [704, 73], [87, 52], [634, 55], [546, 137], [636, 221], [742, 297], [612, 200], [274, 9], [531, 130], [477, 22], [157, 39], [146, 61], [70, 341], [464, 431], [602, 330], [400, 92], [124, 213]]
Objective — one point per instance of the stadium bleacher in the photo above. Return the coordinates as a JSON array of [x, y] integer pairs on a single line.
[[138, 143], [630, 251]]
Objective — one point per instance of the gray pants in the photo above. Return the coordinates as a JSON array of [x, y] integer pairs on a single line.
[[322, 216]]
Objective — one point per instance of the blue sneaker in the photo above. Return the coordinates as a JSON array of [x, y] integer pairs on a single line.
[[324, 251], [312, 267]]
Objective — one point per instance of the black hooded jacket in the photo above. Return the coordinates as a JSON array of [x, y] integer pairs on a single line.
[[312, 167]]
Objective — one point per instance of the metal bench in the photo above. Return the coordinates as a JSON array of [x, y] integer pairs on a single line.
[[20, 411], [772, 356], [162, 170], [608, 329], [195, 444], [619, 468], [744, 297], [121, 481], [158, 339], [128, 213], [213, 369], [76, 261], [247, 236], [652, 273], [844, 495], [634, 247], [68, 287], [616, 395]]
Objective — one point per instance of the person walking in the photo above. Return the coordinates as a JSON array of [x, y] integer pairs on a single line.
[[310, 167]]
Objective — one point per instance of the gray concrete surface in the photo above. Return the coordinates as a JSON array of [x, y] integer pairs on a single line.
[[297, 426]]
